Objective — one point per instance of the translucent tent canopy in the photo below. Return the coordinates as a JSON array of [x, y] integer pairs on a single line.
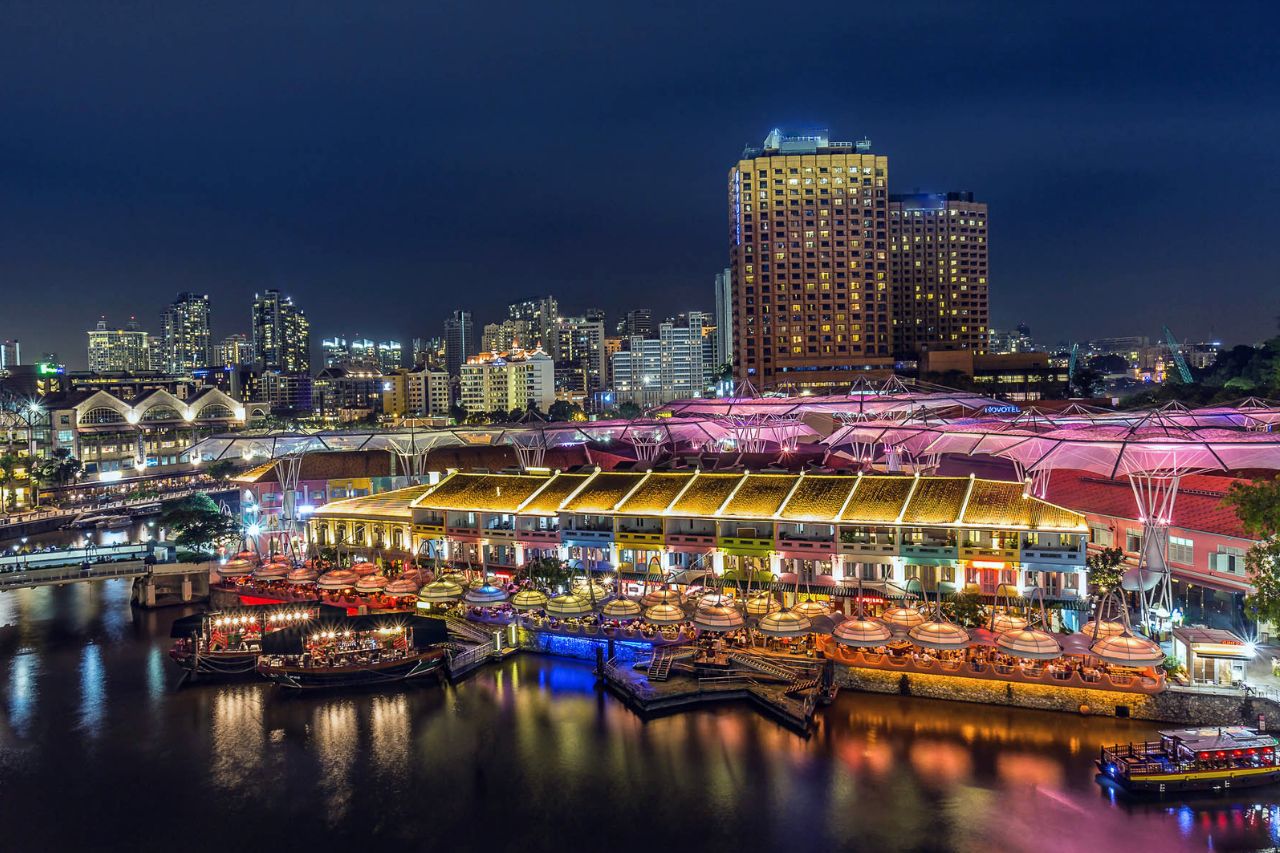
[[364, 568], [665, 614], [337, 579], [302, 576], [784, 623], [902, 618], [1127, 650], [936, 634], [485, 594], [1004, 621], [718, 617], [1031, 643], [862, 632], [371, 583], [813, 609], [662, 596], [402, 586], [441, 590], [568, 605], [235, 568], [271, 571], [529, 599], [622, 608], [1102, 629], [759, 605]]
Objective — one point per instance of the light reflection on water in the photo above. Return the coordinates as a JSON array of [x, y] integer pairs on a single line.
[[528, 755]]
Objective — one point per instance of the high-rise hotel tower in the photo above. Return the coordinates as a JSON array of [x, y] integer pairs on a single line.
[[809, 237]]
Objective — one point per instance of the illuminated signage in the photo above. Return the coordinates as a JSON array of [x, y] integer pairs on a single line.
[[1005, 409]]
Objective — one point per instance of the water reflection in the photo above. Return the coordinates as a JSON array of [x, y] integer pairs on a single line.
[[528, 755]]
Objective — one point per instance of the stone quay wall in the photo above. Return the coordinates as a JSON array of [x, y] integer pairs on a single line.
[[1174, 705]]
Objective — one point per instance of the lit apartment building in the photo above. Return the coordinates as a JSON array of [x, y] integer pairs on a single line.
[[185, 333], [809, 237], [234, 351], [541, 318], [390, 356], [519, 379], [507, 335], [938, 263], [670, 367], [281, 334], [120, 350], [580, 361], [415, 393]]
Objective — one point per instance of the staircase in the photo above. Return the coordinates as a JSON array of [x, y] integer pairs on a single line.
[[660, 665], [465, 629], [761, 665]]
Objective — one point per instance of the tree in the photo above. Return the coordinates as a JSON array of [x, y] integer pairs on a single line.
[[1258, 507], [199, 524], [1106, 569], [58, 469], [629, 410], [965, 608], [221, 469], [563, 410], [9, 464], [548, 572], [1086, 382]]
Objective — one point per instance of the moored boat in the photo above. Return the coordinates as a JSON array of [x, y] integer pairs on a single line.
[[1193, 760], [354, 651], [226, 644]]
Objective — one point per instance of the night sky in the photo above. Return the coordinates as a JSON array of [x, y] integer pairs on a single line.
[[385, 163]]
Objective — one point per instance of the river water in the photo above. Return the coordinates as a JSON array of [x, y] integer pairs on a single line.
[[99, 750]]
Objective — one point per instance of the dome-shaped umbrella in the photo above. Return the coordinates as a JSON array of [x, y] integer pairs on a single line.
[[937, 634], [417, 576], [784, 623], [529, 599], [270, 572], [813, 609], [568, 605], [622, 608], [459, 578], [235, 568], [1007, 590], [665, 614], [1002, 622], [715, 599], [591, 590], [251, 556], [402, 586], [902, 618], [718, 617], [1031, 643], [1104, 628], [371, 583], [862, 633], [1125, 649], [440, 591], [662, 596], [759, 605], [302, 576], [486, 594], [337, 579], [364, 569]]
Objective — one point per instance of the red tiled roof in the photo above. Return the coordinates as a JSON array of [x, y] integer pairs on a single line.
[[1199, 505]]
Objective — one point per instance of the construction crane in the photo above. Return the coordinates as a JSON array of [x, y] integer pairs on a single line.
[[1175, 349]]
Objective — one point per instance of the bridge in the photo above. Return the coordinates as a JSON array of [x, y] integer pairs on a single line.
[[155, 581]]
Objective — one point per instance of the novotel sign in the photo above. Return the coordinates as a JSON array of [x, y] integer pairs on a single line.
[[1002, 410]]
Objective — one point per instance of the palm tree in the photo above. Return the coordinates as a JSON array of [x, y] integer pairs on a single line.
[[9, 462]]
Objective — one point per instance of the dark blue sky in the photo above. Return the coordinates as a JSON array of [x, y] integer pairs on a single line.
[[387, 162]]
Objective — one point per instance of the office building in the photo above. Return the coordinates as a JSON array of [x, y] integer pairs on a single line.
[[233, 351], [10, 354], [335, 352], [390, 356], [184, 333], [364, 354], [281, 334], [120, 350], [724, 317], [938, 259], [657, 370], [504, 382], [809, 237], [637, 322], [457, 341], [286, 393], [580, 365], [347, 393], [541, 318]]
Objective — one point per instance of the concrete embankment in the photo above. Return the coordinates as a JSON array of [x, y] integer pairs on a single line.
[[1173, 705]]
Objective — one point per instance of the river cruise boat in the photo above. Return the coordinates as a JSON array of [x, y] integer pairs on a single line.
[[227, 643], [354, 651], [1193, 760]]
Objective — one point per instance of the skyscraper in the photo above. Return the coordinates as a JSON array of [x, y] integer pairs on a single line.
[[580, 364], [185, 333], [636, 322], [336, 352], [10, 354], [724, 318], [281, 334], [808, 237], [457, 341], [390, 356], [541, 318], [938, 263], [119, 350]]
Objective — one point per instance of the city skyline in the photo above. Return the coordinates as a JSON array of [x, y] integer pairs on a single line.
[[328, 181]]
